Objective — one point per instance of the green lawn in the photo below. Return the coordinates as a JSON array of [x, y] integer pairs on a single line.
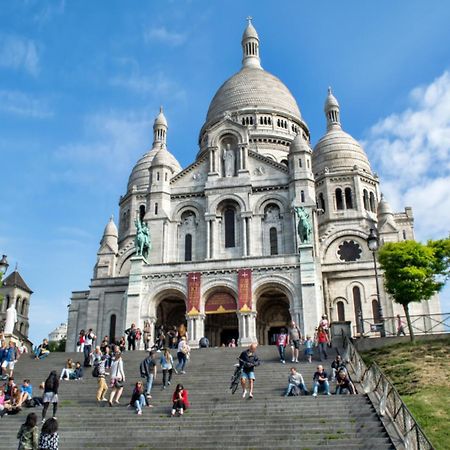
[[421, 374]]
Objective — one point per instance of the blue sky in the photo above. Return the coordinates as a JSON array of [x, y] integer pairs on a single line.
[[81, 82]]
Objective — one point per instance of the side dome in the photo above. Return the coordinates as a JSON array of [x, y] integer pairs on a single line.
[[140, 176], [111, 229], [337, 150], [252, 88], [164, 158]]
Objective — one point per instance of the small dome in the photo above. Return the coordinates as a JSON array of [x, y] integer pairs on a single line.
[[111, 229], [254, 89], [250, 32], [299, 144], [139, 175], [160, 118], [164, 158], [331, 101], [384, 208], [337, 150]]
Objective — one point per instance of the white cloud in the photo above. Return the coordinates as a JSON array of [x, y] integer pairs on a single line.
[[162, 34], [411, 150], [21, 104], [17, 52]]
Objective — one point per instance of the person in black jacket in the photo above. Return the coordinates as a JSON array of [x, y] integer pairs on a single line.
[[148, 371], [131, 337], [51, 386], [248, 360]]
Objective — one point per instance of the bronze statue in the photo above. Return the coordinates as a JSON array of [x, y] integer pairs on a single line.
[[142, 242], [304, 228]]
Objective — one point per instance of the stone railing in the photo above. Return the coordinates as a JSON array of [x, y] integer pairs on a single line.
[[386, 400]]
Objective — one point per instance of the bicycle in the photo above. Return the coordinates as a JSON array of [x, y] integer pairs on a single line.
[[236, 378]]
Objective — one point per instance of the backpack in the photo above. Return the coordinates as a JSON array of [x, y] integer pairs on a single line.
[[295, 392], [96, 371]]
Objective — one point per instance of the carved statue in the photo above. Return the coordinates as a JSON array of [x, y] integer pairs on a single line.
[[228, 158], [304, 228], [142, 241], [11, 319]]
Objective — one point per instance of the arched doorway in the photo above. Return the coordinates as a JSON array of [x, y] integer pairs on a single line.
[[171, 311], [221, 323], [272, 315]]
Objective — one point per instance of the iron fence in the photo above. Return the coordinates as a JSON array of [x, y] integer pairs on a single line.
[[388, 401]]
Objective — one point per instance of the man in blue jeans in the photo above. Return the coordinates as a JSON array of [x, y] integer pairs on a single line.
[[320, 380], [148, 371], [248, 361]]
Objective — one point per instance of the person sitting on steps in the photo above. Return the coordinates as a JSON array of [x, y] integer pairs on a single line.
[[296, 384], [320, 381], [344, 384], [180, 401]]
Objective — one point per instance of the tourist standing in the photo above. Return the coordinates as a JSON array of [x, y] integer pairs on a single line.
[[117, 379], [10, 359], [180, 400], [28, 434], [131, 337], [295, 337], [166, 362], [102, 387], [87, 350], [322, 341], [148, 371], [49, 439], [309, 348], [400, 326], [248, 361], [51, 386], [320, 381], [282, 341], [80, 342], [182, 355]]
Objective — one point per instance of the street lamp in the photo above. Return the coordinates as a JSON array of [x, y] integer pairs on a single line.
[[374, 244], [3, 265]]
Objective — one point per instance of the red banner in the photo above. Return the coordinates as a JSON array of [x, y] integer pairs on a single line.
[[193, 299], [245, 289], [219, 303]]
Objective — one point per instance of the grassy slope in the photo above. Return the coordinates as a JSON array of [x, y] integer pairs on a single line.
[[421, 374]]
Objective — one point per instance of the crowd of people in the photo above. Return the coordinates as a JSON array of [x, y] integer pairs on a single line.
[[107, 365]]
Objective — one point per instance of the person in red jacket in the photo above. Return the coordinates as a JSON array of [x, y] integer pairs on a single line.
[[322, 341], [180, 400]]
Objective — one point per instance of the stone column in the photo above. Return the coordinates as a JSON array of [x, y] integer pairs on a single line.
[[208, 238], [213, 238], [247, 328], [244, 236], [196, 329]]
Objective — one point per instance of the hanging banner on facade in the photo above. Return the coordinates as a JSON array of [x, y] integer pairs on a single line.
[[220, 303], [245, 289], [193, 299]]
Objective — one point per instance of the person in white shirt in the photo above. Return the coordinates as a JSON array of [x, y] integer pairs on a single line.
[[117, 379]]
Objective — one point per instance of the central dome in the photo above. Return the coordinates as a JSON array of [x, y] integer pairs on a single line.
[[252, 88]]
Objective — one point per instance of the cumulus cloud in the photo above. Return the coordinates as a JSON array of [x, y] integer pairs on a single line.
[[162, 34], [22, 104], [18, 53], [411, 150]]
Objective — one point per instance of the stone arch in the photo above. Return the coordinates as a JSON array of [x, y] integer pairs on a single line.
[[218, 137], [228, 197], [169, 307], [271, 198], [180, 208], [355, 234], [210, 287]]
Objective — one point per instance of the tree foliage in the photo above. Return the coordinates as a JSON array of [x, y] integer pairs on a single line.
[[414, 272]]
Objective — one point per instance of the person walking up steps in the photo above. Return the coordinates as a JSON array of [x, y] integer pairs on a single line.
[[248, 361], [148, 371], [166, 362], [295, 337], [182, 355], [102, 387]]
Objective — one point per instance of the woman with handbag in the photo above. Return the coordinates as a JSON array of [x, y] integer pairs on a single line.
[[182, 354], [117, 379]]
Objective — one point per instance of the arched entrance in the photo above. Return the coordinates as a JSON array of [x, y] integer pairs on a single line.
[[272, 315], [221, 323], [171, 311]]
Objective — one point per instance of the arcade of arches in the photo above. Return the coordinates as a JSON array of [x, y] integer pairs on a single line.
[[171, 311]]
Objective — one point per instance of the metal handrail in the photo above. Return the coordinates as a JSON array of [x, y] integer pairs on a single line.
[[389, 403]]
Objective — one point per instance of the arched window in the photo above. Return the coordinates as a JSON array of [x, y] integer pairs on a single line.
[[24, 304], [375, 311], [273, 241], [157, 176], [8, 301], [285, 162], [366, 200], [302, 196], [321, 202], [188, 247], [348, 198], [165, 176], [357, 307], [141, 212], [340, 311], [339, 199], [372, 202], [112, 328], [300, 162], [229, 228], [156, 209]]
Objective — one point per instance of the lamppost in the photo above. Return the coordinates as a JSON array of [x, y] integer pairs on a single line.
[[374, 244], [3, 265]]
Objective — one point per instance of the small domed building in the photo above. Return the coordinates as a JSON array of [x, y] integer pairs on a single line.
[[260, 229]]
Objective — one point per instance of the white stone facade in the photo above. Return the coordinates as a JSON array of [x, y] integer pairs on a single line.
[[59, 333], [233, 209]]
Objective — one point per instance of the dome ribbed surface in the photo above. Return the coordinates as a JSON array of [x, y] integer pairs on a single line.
[[299, 144], [252, 88], [140, 176], [338, 150], [111, 229], [164, 158]]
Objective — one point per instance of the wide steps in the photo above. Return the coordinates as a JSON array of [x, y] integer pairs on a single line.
[[216, 418]]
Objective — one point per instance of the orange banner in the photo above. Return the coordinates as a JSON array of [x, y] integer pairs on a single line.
[[220, 302], [193, 300], [245, 289]]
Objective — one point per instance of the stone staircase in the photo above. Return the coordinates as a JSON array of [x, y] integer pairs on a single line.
[[216, 418]]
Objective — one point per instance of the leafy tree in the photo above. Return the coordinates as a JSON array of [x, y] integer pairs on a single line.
[[57, 346], [414, 272]]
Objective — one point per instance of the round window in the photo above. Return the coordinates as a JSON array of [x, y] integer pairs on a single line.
[[349, 251]]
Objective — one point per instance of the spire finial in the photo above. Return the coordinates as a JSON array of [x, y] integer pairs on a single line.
[[330, 91], [161, 109], [249, 20], [250, 46], [332, 111]]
